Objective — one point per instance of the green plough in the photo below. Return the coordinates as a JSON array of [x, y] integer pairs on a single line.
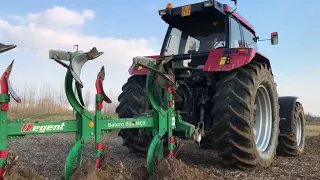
[[163, 119]]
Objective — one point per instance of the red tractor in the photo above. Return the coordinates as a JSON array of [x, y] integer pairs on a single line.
[[226, 87]]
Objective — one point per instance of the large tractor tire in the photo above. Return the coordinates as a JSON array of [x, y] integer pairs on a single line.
[[293, 145], [246, 117], [134, 101]]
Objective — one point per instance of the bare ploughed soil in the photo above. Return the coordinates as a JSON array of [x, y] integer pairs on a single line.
[[43, 157]]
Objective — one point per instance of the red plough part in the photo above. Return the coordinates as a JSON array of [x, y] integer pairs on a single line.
[[100, 93], [99, 85], [6, 89]]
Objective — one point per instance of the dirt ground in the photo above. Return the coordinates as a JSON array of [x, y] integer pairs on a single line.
[[46, 161]]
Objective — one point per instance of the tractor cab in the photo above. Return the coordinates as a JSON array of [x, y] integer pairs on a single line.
[[196, 30]]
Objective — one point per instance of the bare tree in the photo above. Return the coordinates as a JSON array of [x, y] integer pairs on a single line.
[[44, 101], [111, 108], [48, 100], [87, 99]]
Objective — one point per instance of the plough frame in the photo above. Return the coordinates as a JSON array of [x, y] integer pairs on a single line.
[[87, 126]]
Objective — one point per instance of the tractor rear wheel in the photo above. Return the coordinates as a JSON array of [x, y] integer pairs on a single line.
[[246, 117], [294, 144], [134, 101]]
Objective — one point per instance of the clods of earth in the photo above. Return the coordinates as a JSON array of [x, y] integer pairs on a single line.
[[190, 163]]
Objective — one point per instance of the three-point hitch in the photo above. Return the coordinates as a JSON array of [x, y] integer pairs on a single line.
[[163, 119]]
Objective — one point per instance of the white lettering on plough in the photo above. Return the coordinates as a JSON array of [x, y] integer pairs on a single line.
[[127, 124]]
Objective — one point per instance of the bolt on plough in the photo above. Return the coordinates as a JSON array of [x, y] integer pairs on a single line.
[[162, 120]]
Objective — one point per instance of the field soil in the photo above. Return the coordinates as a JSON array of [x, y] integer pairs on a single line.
[[43, 157]]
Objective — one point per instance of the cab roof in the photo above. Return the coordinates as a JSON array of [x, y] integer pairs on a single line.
[[173, 16]]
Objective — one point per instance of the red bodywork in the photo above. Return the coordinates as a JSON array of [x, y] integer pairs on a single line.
[[143, 71], [237, 60], [212, 63]]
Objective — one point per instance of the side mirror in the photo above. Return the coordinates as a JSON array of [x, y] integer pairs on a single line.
[[274, 38]]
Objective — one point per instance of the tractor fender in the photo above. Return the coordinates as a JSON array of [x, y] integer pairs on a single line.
[[141, 71], [287, 110], [229, 59]]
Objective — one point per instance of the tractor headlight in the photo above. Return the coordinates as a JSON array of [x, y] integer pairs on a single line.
[[208, 3]]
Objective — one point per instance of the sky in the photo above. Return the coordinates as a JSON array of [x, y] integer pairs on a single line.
[[125, 29]]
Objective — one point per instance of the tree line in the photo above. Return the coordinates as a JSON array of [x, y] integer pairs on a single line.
[[310, 117], [48, 100]]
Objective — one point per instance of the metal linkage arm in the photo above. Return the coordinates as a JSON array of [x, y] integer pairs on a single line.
[[163, 79]]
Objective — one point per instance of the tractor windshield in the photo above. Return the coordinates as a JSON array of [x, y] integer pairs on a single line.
[[196, 37]]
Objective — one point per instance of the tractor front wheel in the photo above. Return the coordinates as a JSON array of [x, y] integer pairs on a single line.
[[246, 117], [134, 101]]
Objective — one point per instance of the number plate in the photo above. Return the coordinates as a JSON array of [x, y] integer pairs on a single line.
[[186, 10]]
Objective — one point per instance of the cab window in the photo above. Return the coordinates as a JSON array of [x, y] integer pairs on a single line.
[[235, 34], [249, 38]]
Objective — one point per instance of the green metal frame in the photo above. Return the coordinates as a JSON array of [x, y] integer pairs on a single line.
[[88, 126]]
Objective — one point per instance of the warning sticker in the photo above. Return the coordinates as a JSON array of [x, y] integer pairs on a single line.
[[222, 61]]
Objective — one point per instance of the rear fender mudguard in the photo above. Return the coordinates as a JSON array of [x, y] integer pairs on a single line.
[[142, 71], [216, 58], [287, 110]]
